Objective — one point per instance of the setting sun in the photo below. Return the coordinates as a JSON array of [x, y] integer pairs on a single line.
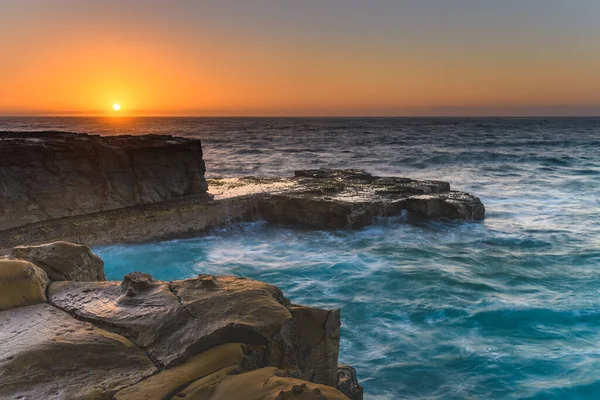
[[116, 107]]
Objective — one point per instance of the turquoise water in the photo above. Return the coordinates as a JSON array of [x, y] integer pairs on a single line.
[[505, 308]]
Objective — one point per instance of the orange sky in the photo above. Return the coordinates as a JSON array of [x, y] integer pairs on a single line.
[[181, 58]]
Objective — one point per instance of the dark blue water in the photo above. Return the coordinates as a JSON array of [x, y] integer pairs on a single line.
[[506, 308]]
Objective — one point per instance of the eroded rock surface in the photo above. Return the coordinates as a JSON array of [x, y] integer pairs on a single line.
[[47, 175], [327, 198], [260, 384], [21, 284], [139, 308], [209, 337], [175, 320], [63, 261], [322, 199], [167, 383], [47, 354]]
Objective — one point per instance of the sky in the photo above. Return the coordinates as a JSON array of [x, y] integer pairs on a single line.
[[305, 58]]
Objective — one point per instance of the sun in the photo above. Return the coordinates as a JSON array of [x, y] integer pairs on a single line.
[[116, 107]]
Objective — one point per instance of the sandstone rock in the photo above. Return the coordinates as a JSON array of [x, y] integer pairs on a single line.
[[348, 383], [63, 261], [173, 321], [21, 284], [47, 354], [169, 382], [46, 175], [139, 308], [260, 384], [233, 309]]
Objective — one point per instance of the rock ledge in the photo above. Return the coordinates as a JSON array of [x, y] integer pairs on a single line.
[[208, 337]]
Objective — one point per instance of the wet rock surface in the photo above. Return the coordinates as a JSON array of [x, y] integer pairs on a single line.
[[321, 199], [100, 190], [47, 354], [353, 198], [348, 382], [63, 261], [47, 175]]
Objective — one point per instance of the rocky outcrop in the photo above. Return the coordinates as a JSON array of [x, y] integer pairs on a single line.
[[48, 175], [63, 261], [322, 199], [47, 354], [348, 199], [173, 320], [21, 284], [210, 337]]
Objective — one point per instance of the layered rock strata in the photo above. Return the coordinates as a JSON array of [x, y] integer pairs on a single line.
[[101, 190], [47, 175], [209, 337]]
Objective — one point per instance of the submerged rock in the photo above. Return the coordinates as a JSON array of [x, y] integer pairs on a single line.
[[47, 354], [21, 284], [63, 261]]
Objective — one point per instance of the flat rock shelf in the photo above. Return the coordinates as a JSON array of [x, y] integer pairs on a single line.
[[320, 199]]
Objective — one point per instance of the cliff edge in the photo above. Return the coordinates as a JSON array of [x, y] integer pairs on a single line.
[[208, 337], [47, 175]]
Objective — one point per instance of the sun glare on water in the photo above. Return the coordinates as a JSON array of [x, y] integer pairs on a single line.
[[116, 107]]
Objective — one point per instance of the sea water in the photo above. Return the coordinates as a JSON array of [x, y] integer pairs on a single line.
[[504, 308]]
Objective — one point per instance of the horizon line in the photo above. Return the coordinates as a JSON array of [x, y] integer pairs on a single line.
[[117, 117]]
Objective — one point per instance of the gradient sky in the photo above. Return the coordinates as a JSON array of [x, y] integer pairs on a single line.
[[300, 57]]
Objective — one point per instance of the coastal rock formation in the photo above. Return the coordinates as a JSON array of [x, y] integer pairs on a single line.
[[21, 284], [210, 337], [264, 383], [322, 199], [47, 175], [174, 320], [168, 383], [63, 261], [47, 354], [348, 199]]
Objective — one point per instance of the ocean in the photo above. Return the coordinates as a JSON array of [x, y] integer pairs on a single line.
[[507, 308]]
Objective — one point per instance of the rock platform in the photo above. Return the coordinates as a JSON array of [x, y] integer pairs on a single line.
[[320, 199], [208, 337]]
